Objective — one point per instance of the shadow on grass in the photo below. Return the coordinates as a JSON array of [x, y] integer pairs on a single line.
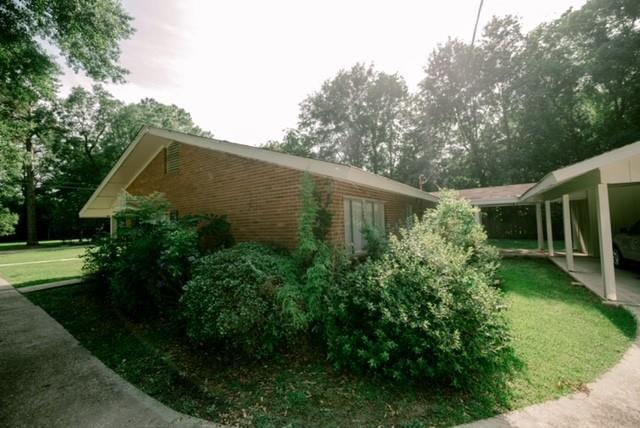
[[542, 279], [297, 388]]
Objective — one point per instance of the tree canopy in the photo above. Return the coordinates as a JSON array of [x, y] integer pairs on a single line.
[[508, 109]]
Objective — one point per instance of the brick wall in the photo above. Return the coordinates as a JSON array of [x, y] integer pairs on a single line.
[[260, 200]]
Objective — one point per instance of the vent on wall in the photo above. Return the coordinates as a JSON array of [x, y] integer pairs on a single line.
[[172, 158]]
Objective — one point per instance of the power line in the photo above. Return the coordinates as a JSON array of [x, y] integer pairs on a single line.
[[475, 28]]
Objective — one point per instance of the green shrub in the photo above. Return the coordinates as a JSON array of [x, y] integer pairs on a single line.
[[376, 242], [233, 300], [148, 261], [454, 220], [214, 232], [425, 310]]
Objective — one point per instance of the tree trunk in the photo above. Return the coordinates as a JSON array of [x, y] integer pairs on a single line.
[[30, 194]]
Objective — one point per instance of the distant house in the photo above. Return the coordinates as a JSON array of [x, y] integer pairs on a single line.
[[257, 189]]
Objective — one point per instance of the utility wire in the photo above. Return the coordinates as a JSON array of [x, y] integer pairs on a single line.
[[475, 28]]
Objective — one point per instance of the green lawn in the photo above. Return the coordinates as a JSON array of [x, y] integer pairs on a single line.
[[10, 246], [523, 244], [41, 264], [563, 338]]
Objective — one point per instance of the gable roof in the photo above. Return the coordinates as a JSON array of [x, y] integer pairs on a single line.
[[150, 141], [497, 195]]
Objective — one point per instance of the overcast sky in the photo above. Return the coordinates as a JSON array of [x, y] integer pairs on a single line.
[[242, 67]]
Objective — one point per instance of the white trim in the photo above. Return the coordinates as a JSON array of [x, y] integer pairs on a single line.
[[539, 230], [115, 168], [547, 213], [314, 166], [568, 238], [606, 242], [570, 172]]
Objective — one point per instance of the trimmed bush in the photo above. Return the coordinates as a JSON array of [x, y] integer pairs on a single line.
[[424, 310], [233, 300]]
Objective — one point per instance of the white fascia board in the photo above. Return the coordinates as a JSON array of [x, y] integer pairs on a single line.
[[83, 211], [562, 175]]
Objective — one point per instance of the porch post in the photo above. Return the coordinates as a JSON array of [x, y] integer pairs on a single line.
[[568, 239], [547, 213], [113, 226], [539, 226], [478, 215], [606, 243]]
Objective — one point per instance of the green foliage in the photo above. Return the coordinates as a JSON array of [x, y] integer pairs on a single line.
[[454, 221], [317, 262], [214, 232], [377, 243], [87, 34], [233, 300], [357, 118], [8, 221], [148, 261], [425, 310]]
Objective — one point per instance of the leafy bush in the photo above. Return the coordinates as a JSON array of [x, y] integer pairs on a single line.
[[214, 232], [376, 242], [454, 221], [233, 300], [317, 262], [148, 261], [425, 310]]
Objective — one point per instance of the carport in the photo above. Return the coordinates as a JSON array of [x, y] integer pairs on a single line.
[[599, 196]]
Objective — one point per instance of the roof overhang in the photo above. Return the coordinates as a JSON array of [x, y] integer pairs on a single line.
[[150, 141]]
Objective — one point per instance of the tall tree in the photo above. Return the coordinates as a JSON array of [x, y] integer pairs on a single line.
[[466, 106], [94, 129], [357, 118], [87, 34]]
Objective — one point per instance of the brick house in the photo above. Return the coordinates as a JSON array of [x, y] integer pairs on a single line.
[[257, 189]]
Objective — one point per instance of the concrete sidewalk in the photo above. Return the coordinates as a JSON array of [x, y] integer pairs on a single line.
[[48, 380], [613, 401]]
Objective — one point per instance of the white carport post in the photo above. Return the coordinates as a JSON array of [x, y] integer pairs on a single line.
[[547, 213], [478, 215], [113, 225], [606, 243], [539, 226], [568, 239]]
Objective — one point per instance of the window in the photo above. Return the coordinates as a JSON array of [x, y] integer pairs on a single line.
[[172, 158], [359, 213], [409, 215]]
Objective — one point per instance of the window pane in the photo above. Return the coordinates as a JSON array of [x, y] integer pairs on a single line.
[[379, 216], [368, 213], [356, 218]]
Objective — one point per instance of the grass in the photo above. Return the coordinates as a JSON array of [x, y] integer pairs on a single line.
[[23, 267], [12, 246], [563, 337], [523, 244]]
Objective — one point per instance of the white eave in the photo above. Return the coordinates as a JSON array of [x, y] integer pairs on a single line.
[[563, 175], [150, 141]]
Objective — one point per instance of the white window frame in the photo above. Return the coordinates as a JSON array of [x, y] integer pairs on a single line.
[[354, 240]]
